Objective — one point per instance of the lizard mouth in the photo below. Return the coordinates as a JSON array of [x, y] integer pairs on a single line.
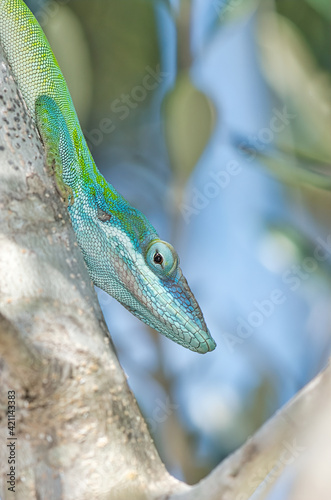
[[170, 308], [188, 320]]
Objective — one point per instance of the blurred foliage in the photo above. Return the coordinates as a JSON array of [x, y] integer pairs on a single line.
[[290, 170], [68, 40], [104, 51], [189, 114], [312, 18], [289, 66], [189, 122], [297, 66], [229, 11], [322, 6], [123, 41]]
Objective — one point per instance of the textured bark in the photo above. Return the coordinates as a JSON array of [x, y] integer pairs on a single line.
[[79, 432]]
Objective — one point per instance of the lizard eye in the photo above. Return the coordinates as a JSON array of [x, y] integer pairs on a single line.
[[158, 258], [161, 257]]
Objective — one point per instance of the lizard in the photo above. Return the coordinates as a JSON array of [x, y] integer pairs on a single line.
[[122, 250]]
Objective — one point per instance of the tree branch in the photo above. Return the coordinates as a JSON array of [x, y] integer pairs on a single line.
[[279, 443]]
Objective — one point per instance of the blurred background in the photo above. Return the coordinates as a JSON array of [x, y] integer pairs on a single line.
[[213, 117]]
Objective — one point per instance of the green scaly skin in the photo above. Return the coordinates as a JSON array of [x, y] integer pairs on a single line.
[[122, 250]]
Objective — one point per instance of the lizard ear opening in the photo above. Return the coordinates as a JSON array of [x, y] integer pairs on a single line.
[[162, 258], [102, 215]]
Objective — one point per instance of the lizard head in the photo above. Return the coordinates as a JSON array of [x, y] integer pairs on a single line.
[[129, 261], [167, 304]]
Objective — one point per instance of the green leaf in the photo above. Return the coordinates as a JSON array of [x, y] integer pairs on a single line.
[[299, 84], [288, 169], [189, 122], [323, 7]]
